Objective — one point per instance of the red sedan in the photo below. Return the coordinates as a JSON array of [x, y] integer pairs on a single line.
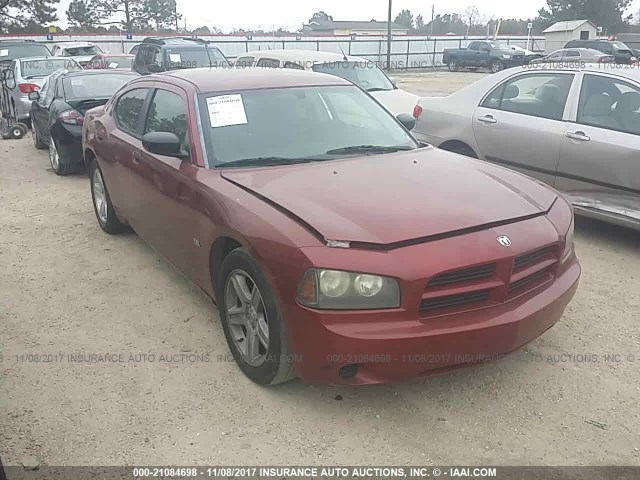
[[337, 248], [115, 61]]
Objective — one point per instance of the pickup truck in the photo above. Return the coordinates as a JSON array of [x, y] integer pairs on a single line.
[[483, 54]]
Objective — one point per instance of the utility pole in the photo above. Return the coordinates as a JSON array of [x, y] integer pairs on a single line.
[[389, 38], [433, 17], [175, 5]]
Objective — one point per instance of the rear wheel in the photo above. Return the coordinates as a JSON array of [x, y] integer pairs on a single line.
[[252, 322], [59, 167], [453, 65], [496, 66], [105, 213]]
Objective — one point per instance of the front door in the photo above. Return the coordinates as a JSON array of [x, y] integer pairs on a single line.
[[520, 123]]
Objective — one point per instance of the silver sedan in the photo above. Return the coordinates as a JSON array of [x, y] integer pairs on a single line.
[[575, 129]]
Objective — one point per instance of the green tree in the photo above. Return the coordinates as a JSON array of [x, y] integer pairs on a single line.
[[447, 23], [320, 17], [405, 18], [609, 14], [420, 26], [160, 14], [81, 15], [27, 14]]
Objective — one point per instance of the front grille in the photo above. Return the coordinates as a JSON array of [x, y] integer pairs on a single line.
[[523, 282], [466, 275], [453, 300], [531, 257]]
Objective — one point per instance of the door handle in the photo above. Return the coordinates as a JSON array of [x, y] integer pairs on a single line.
[[487, 119], [580, 136], [136, 158]]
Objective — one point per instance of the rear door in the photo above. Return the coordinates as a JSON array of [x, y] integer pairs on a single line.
[[520, 123], [599, 165]]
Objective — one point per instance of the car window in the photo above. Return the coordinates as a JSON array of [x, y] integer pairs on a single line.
[[295, 122], [609, 103], [474, 46], [539, 95], [572, 53], [167, 113], [91, 86], [245, 62], [46, 94], [556, 56], [46, 66], [268, 63], [11, 52], [128, 108]]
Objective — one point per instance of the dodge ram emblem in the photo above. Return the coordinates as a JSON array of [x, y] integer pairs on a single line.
[[504, 241]]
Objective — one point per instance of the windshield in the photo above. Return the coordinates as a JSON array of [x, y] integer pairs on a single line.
[[621, 47], [293, 123], [195, 58], [118, 62], [366, 75], [86, 87], [81, 51], [46, 66], [11, 52]]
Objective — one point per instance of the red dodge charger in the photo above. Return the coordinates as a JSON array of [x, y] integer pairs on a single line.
[[337, 248]]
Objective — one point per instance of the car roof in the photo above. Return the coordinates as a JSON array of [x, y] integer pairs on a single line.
[[212, 79], [114, 55], [301, 56], [174, 41], [43, 57], [82, 73], [75, 44]]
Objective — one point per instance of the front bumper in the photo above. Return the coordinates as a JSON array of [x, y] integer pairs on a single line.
[[370, 347]]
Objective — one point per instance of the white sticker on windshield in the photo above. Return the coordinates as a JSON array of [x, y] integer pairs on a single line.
[[226, 110], [175, 58], [113, 65], [4, 52]]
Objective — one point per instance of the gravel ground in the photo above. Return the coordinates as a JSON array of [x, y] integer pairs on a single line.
[[67, 289]]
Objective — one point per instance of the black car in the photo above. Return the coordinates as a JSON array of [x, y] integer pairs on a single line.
[[57, 112], [156, 55], [619, 50]]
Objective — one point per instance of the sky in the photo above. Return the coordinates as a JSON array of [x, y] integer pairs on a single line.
[[290, 14]]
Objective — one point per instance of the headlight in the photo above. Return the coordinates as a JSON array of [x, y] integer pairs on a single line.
[[339, 290], [568, 241], [506, 56]]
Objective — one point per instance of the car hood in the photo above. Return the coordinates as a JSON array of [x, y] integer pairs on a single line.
[[396, 101], [386, 199]]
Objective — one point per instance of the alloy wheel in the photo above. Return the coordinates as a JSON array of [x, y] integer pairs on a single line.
[[247, 318], [54, 158], [99, 196]]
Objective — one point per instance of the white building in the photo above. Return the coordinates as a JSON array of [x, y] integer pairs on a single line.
[[352, 28], [560, 33]]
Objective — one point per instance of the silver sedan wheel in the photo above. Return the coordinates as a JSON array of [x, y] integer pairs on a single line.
[[99, 195], [247, 318], [54, 158]]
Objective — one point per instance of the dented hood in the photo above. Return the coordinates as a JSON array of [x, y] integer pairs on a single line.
[[385, 199]]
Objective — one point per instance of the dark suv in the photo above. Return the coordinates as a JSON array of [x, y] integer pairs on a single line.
[[619, 50], [156, 55]]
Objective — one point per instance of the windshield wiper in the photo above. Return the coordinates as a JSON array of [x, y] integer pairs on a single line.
[[377, 89], [369, 149], [264, 162]]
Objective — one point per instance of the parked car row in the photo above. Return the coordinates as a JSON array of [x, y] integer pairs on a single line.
[[497, 56], [337, 247]]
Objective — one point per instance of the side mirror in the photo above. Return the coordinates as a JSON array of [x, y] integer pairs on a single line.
[[154, 68], [163, 143], [407, 120], [33, 96]]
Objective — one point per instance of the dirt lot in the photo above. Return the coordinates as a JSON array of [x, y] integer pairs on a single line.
[[66, 288]]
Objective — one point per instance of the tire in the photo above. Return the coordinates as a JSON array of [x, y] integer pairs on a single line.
[[461, 149], [37, 143], [496, 66], [102, 206], [16, 132], [256, 321], [453, 65], [58, 167]]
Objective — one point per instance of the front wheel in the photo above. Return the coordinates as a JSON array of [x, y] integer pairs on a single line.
[[105, 213], [496, 66], [252, 322]]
